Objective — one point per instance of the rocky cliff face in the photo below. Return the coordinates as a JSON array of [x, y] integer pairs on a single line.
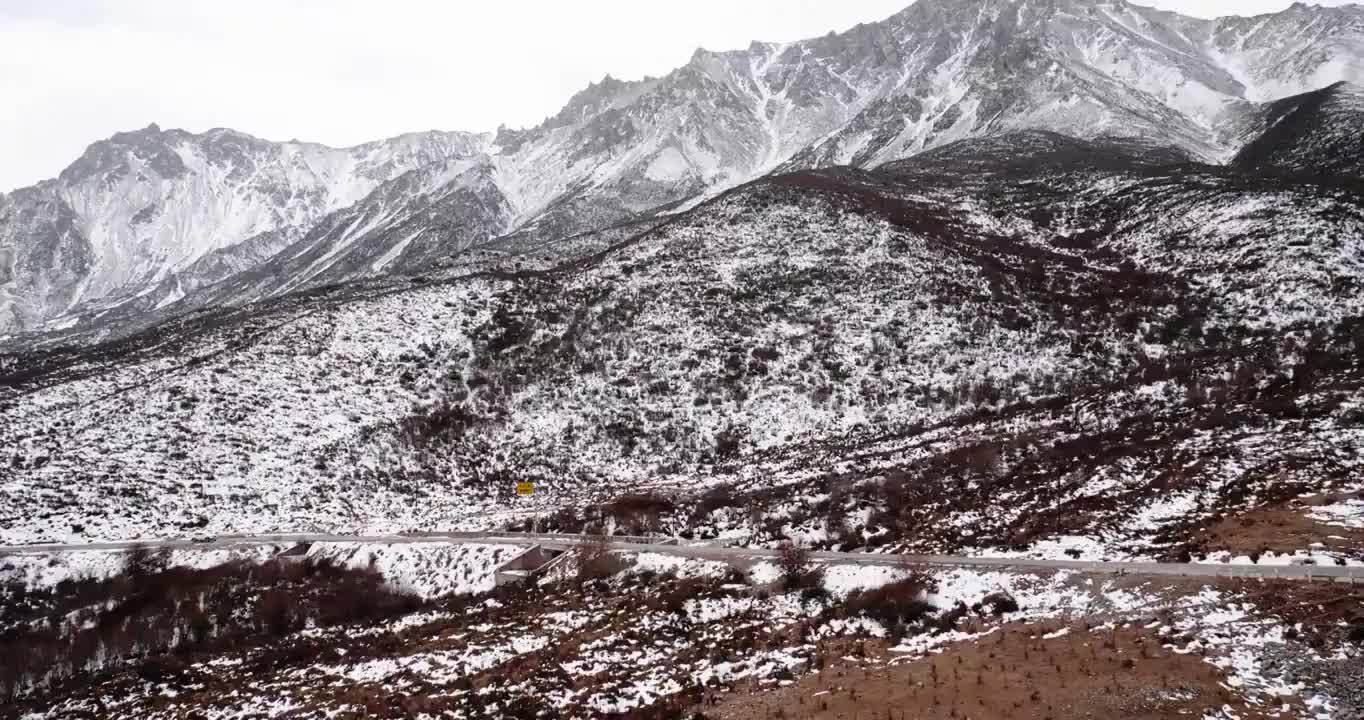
[[154, 223]]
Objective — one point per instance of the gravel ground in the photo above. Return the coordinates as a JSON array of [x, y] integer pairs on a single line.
[[1340, 679]]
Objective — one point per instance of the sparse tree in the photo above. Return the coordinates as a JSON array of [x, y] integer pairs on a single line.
[[143, 561], [799, 571]]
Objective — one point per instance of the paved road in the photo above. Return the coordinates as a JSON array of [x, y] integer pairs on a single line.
[[730, 554]]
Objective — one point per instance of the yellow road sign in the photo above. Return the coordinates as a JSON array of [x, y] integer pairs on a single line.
[[525, 488]]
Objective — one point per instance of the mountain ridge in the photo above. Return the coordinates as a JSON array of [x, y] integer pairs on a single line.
[[1317, 132], [936, 72]]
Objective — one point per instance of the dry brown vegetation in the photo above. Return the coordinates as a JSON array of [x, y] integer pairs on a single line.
[[595, 561], [511, 689], [1283, 528], [1014, 673], [898, 605], [1321, 614], [630, 514], [154, 616]]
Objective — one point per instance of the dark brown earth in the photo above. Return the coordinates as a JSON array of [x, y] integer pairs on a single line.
[[1284, 528], [1014, 673]]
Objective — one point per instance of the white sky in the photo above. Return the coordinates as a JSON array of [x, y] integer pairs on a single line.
[[346, 71]]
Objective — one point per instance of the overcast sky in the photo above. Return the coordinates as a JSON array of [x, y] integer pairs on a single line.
[[347, 71]]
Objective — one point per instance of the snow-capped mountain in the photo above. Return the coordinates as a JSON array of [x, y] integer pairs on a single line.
[[961, 69], [150, 215], [143, 227]]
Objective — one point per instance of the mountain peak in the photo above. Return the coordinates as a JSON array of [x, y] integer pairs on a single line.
[[113, 158], [152, 132]]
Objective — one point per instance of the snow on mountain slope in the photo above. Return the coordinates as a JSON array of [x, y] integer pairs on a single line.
[[407, 225], [139, 210], [784, 315], [1152, 348], [232, 434], [1086, 69], [1305, 47]]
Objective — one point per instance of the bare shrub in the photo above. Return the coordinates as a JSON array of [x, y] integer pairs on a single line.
[[720, 496], [896, 604], [638, 513], [275, 613], [984, 459], [139, 618], [997, 603], [798, 570], [729, 444], [674, 599], [143, 561], [595, 560], [917, 574]]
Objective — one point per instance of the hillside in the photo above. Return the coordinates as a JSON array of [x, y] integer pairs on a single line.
[[1316, 133], [1063, 328]]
